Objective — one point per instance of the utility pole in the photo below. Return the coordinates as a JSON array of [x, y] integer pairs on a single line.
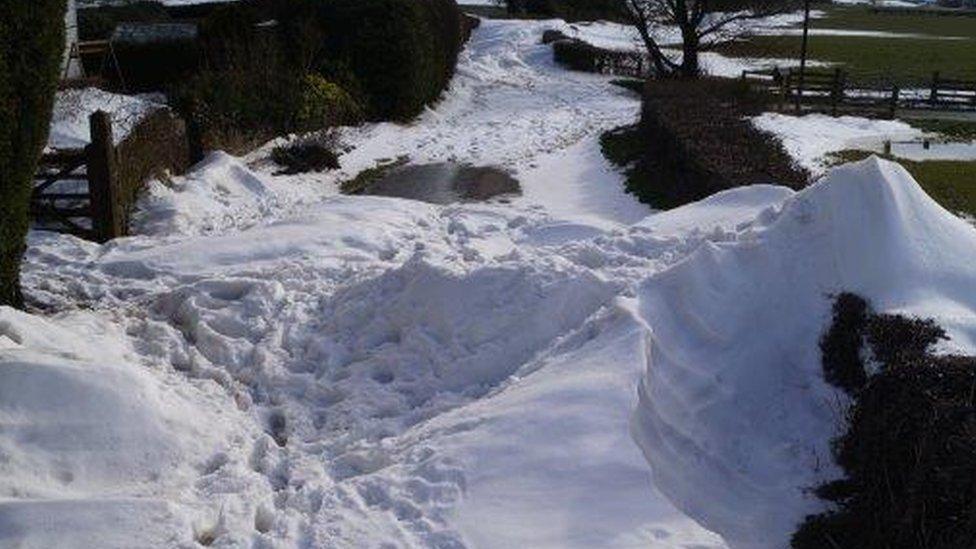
[[803, 53]]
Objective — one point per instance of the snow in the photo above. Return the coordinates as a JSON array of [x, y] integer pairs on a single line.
[[810, 137], [734, 415], [95, 442], [267, 363], [887, 3], [72, 108]]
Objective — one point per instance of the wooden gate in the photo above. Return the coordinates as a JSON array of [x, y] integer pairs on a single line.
[[89, 192]]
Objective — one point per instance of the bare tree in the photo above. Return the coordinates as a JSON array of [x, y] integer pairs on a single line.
[[701, 23]]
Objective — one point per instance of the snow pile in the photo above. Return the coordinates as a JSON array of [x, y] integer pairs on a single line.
[[809, 138], [72, 108], [220, 193], [734, 416], [96, 449]]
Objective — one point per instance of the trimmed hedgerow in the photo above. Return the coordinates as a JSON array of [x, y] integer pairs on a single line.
[[302, 65], [909, 452], [699, 141], [31, 49]]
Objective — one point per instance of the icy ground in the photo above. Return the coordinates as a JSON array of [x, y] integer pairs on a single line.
[[269, 364]]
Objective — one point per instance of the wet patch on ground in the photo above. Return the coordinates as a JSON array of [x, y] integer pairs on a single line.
[[443, 183]]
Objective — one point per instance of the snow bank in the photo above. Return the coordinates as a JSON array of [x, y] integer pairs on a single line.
[[72, 108], [96, 450], [219, 194], [551, 452], [734, 416], [809, 138]]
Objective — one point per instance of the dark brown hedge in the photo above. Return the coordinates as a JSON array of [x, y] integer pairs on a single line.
[[699, 141], [909, 452]]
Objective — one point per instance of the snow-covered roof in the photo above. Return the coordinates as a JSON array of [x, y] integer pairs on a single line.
[[150, 33]]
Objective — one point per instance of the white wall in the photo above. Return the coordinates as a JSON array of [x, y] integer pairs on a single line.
[[71, 36]]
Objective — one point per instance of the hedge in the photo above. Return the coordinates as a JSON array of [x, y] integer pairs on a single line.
[[397, 54], [699, 141], [251, 88], [909, 448], [31, 49]]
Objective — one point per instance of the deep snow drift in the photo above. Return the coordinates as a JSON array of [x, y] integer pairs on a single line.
[[268, 364], [734, 414]]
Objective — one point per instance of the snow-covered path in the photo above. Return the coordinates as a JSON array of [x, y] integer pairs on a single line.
[[271, 364], [402, 374]]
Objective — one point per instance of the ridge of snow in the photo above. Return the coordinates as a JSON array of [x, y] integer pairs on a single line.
[[734, 416]]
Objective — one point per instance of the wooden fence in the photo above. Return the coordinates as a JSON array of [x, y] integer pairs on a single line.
[[832, 91], [89, 192]]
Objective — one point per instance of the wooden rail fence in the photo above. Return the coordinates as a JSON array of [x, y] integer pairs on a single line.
[[833, 92], [89, 192]]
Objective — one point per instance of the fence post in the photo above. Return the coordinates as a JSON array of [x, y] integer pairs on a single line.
[[837, 91], [786, 86], [893, 107], [103, 181], [934, 94]]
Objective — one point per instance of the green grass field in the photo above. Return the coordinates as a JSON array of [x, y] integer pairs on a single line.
[[860, 18], [906, 61]]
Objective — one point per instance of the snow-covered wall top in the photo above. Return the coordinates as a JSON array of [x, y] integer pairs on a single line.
[[70, 37]]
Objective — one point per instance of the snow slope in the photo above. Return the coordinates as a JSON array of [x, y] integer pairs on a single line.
[[734, 415], [96, 443]]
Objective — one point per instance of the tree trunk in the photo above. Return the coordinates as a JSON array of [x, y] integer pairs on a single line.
[[690, 67]]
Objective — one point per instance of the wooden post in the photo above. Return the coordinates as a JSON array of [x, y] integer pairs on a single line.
[[803, 52], [934, 94], [893, 107], [103, 181], [837, 90], [785, 88]]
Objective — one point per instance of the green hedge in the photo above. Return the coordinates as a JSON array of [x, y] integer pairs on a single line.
[[398, 55], [31, 48], [250, 88]]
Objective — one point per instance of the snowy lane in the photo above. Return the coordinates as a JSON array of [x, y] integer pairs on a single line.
[[402, 374], [511, 106], [269, 364]]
